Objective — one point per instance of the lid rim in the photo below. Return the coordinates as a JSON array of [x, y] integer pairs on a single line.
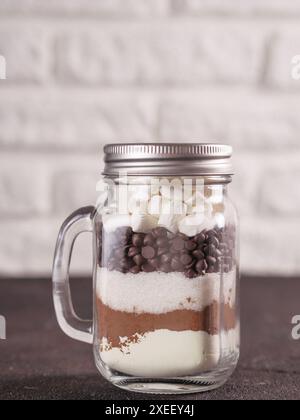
[[160, 158]]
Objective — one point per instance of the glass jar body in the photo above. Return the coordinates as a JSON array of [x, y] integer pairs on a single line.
[[166, 283]]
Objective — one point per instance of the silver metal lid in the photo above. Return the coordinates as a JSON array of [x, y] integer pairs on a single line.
[[168, 159]]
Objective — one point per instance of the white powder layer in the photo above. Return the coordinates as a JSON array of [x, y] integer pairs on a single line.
[[166, 353], [163, 292]]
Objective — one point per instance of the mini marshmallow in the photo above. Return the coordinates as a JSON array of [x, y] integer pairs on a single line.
[[219, 220], [180, 209], [195, 200], [198, 205], [166, 207], [172, 191], [170, 208], [171, 213], [169, 222], [188, 190], [112, 222], [143, 190], [143, 222], [155, 205], [216, 195], [136, 205], [138, 199], [192, 225], [208, 210], [154, 187]]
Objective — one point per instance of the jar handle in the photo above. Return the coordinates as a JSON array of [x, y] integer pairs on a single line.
[[80, 221]]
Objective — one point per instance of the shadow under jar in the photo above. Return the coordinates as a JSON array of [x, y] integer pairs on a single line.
[[166, 269]]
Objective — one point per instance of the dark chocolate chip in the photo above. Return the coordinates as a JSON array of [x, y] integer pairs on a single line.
[[138, 240], [198, 254], [162, 251], [154, 262], [162, 242], [148, 268], [190, 273], [211, 250], [183, 236], [148, 252], [121, 269], [201, 266], [135, 269], [171, 235], [178, 244], [205, 250], [165, 268], [200, 238], [186, 259], [139, 260], [149, 240], [218, 253], [160, 232], [214, 241], [125, 264], [223, 246], [191, 265], [133, 251], [211, 260], [176, 264], [190, 245], [165, 258], [211, 233]]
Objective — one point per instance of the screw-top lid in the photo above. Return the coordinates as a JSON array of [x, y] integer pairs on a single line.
[[168, 159]]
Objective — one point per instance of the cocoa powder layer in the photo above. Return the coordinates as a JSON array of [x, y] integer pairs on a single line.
[[114, 324]]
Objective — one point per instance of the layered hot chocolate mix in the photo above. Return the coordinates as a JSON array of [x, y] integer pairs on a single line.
[[163, 290]]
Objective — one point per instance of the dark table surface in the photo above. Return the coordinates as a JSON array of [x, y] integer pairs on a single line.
[[38, 362]]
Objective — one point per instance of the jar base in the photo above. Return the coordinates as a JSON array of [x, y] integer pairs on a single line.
[[171, 388], [191, 385]]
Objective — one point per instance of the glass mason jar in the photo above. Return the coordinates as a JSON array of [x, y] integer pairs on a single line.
[[166, 269]]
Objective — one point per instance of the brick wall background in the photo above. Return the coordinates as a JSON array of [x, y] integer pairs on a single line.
[[81, 73]]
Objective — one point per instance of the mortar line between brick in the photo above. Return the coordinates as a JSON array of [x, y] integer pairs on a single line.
[[206, 18], [161, 89]]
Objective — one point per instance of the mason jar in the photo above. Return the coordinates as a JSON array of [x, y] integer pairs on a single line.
[[166, 269]]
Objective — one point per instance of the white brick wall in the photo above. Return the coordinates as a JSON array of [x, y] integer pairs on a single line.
[[26, 52], [179, 53], [81, 73], [253, 120], [285, 45], [22, 192], [62, 119]]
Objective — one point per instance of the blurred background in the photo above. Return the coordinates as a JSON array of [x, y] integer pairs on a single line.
[[82, 73]]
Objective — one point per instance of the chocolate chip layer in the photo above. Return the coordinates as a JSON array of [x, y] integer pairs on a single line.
[[211, 251]]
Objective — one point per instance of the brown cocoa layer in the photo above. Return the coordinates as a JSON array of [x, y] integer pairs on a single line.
[[115, 324]]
